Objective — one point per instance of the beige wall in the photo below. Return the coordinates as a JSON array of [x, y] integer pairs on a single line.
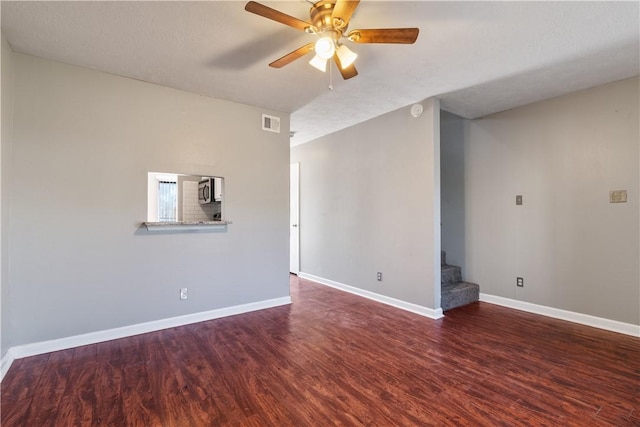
[[575, 250], [84, 142], [7, 135], [369, 202]]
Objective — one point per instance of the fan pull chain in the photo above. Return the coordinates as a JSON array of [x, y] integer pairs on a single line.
[[330, 77]]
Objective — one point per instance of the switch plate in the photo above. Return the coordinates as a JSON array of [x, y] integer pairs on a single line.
[[518, 200], [520, 282], [183, 293], [618, 196]]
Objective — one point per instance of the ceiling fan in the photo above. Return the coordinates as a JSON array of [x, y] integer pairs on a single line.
[[329, 21]]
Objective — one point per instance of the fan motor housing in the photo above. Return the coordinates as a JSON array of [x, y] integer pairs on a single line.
[[321, 14]]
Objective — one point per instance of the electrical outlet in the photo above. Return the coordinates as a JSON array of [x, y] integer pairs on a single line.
[[519, 282], [183, 293], [518, 200], [379, 277]]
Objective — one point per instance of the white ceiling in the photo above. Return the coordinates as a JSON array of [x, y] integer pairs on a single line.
[[477, 57]]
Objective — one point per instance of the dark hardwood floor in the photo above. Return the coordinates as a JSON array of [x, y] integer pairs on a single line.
[[332, 358]]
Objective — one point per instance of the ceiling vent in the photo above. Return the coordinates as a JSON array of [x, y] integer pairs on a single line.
[[271, 123]]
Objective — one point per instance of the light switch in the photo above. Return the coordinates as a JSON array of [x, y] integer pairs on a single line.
[[618, 196], [518, 200]]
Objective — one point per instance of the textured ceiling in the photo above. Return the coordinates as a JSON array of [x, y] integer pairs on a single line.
[[477, 57]]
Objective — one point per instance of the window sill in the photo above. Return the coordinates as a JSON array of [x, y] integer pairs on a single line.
[[185, 226]]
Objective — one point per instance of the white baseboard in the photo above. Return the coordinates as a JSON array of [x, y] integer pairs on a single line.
[[34, 349], [570, 316], [407, 306], [5, 363]]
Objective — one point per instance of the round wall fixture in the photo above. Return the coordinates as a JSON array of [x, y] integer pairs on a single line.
[[416, 110]]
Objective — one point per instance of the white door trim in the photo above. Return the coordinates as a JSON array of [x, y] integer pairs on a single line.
[[294, 218]]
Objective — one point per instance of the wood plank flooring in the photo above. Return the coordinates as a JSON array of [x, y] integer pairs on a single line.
[[335, 359]]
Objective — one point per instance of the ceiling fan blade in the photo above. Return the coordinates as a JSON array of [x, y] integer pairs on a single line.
[[275, 15], [347, 72], [343, 11], [290, 57], [384, 35]]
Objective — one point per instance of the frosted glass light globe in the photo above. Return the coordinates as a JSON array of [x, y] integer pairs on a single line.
[[325, 48]]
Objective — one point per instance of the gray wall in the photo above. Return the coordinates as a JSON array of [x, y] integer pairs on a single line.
[[575, 250], [369, 202], [7, 134], [452, 192], [83, 144]]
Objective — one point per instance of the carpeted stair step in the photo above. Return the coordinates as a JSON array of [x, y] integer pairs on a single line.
[[450, 274], [453, 291], [458, 294]]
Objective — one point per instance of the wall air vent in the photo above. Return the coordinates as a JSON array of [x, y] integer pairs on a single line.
[[271, 123]]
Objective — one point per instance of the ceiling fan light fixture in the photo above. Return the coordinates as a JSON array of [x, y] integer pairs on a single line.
[[346, 56], [329, 20], [325, 47], [319, 63]]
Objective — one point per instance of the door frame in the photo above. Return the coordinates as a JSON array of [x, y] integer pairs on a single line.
[[294, 218]]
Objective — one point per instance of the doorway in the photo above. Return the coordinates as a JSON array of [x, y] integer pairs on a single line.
[[294, 218]]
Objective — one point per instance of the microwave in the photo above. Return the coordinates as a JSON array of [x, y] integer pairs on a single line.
[[209, 190]]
